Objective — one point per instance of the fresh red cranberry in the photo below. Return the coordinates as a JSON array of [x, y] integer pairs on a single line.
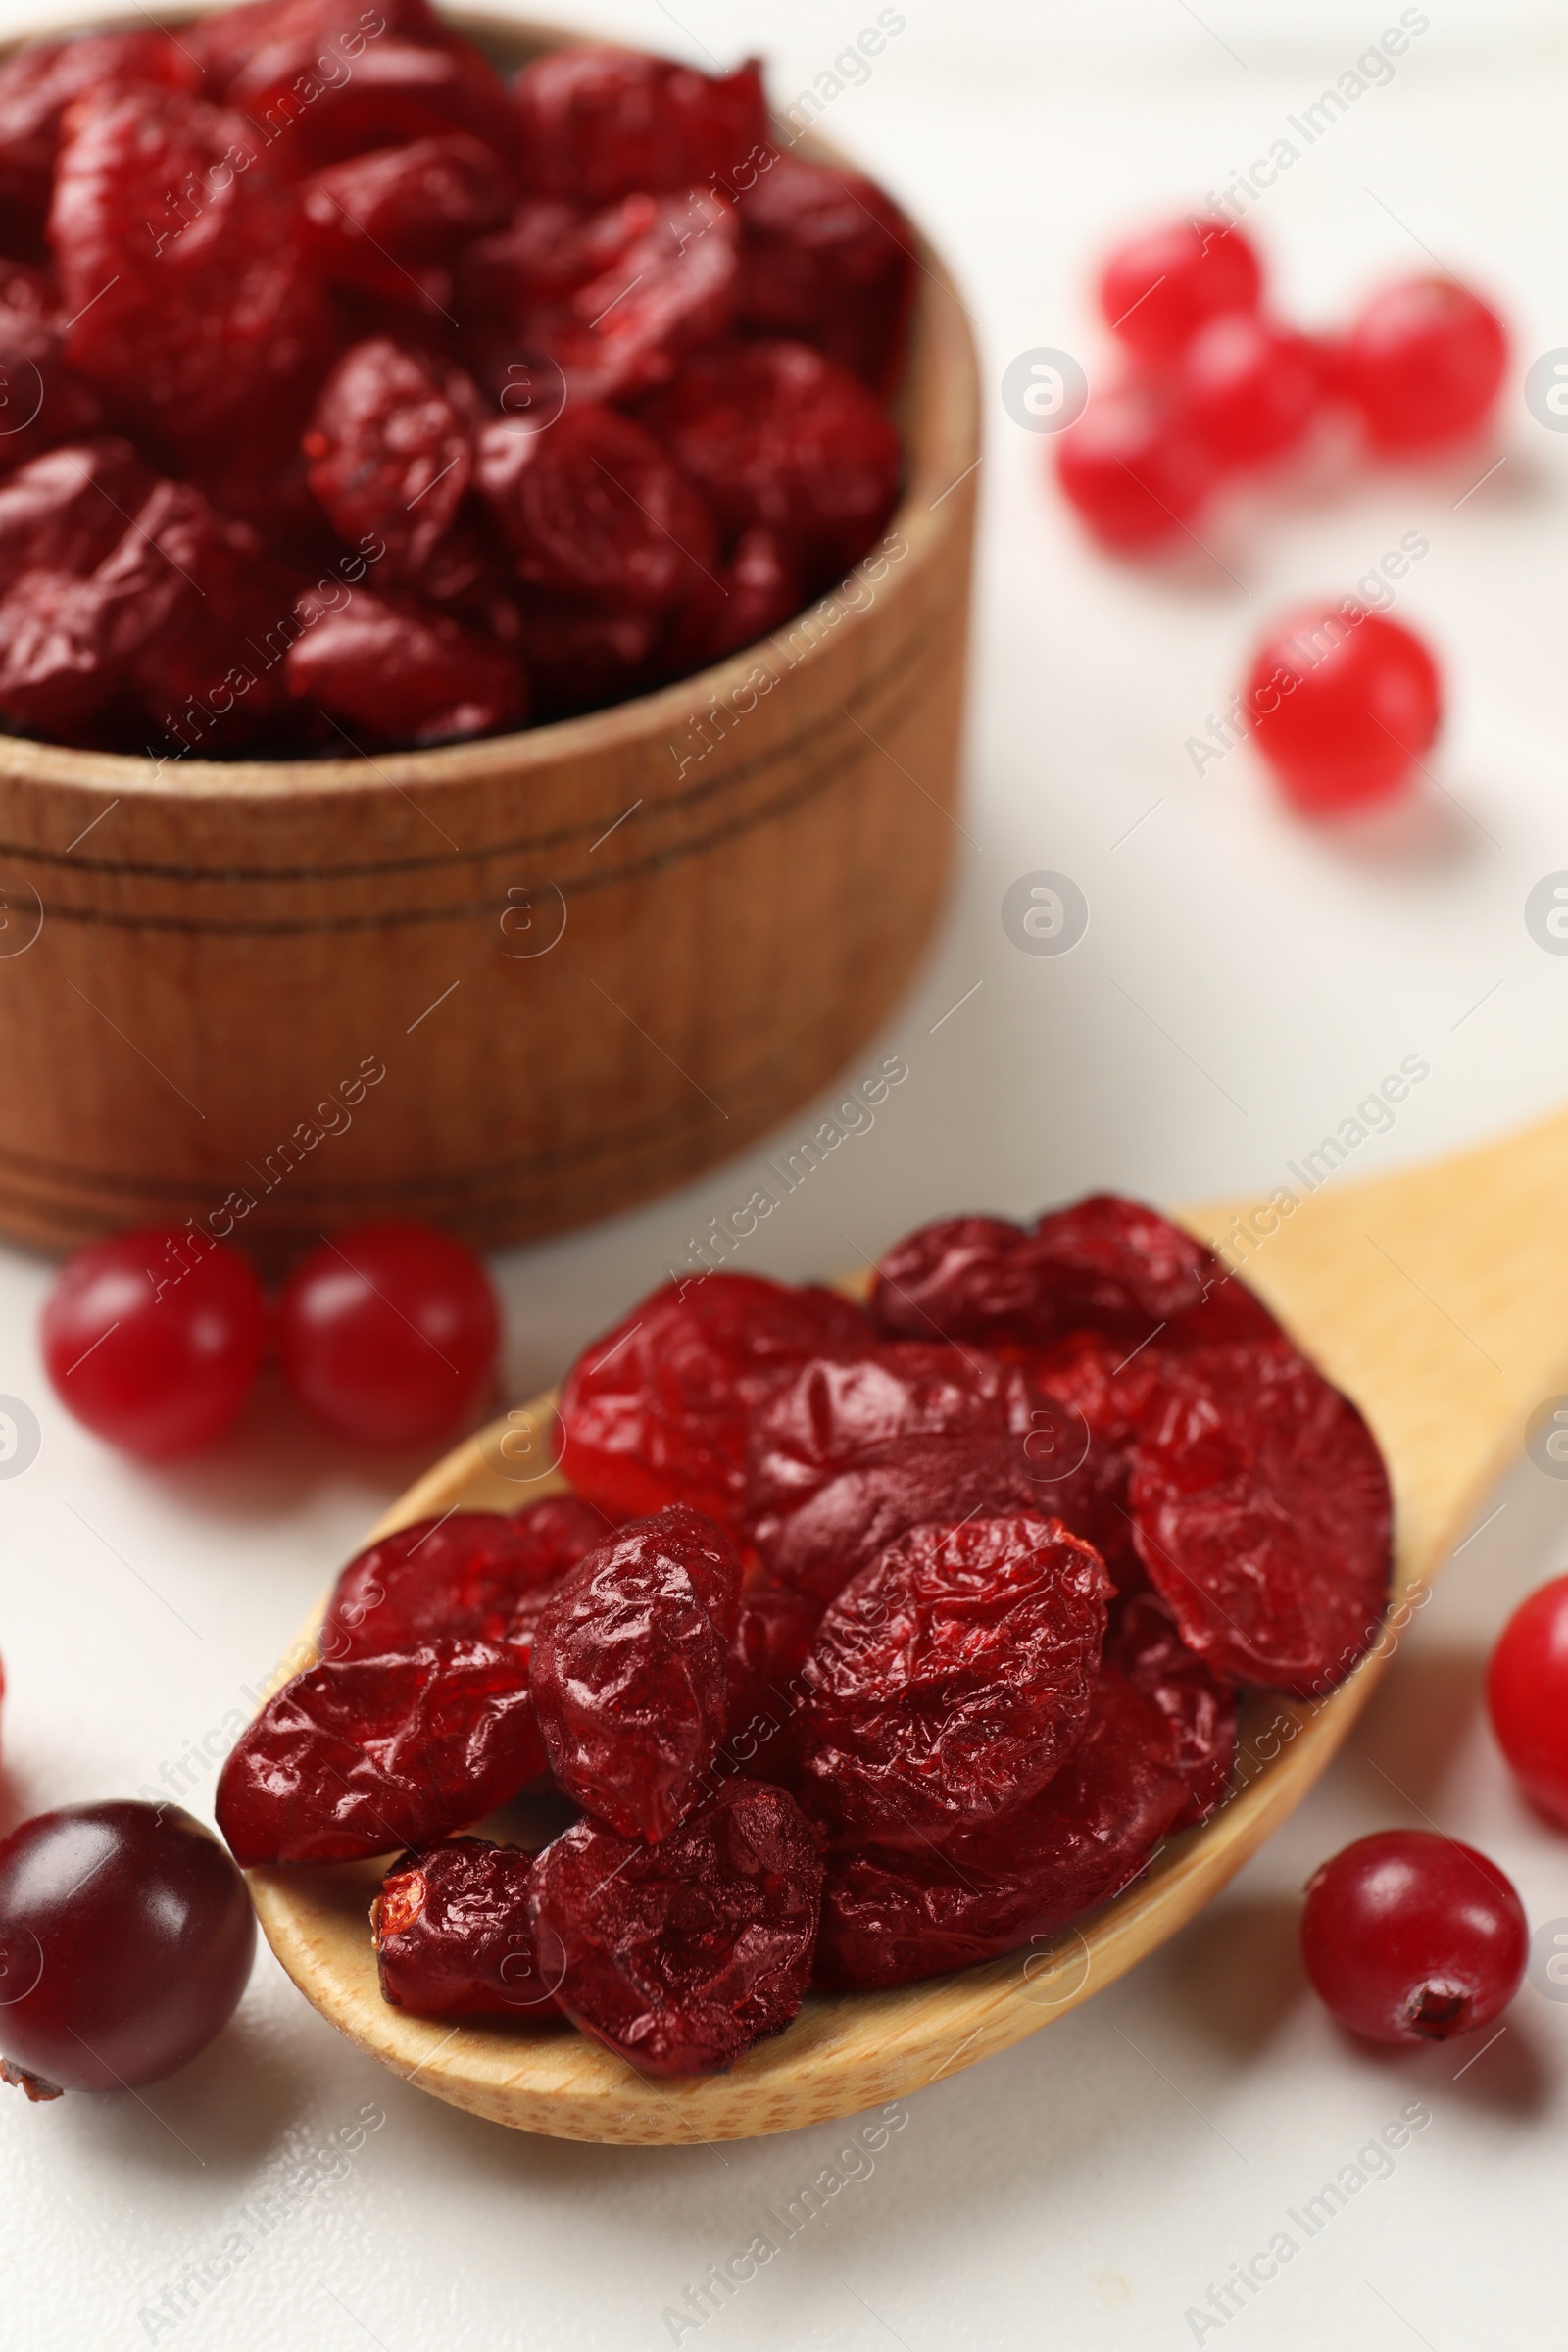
[[389, 1333], [1424, 363], [1527, 1696], [1134, 469], [126, 1942], [1247, 388], [1408, 1936], [1342, 703], [154, 1339], [1156, 291]]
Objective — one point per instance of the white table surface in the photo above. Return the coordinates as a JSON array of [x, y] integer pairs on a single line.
[[1243, 983]]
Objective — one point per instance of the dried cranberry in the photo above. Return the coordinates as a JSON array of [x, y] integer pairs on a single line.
[[759, 589], [452, 1936], [669, 289], [599, 123], [629, 1670], [681, 1956], [846, 1455], [951, 1679], [887, 1919], [360, 1757], [779, 436], [1145, 1646], [1261, 1512], [774, 1633], [829, 261], [395, 90], [371, 217], [390, 447], [580, 657], [468, 1575], [402, 671], [41, 403], [65, 510], [38, 82], [180, 262], [593, 507], [656, 1411]]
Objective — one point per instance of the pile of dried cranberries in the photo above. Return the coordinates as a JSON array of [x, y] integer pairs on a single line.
[[355, 398], [871, 1641]]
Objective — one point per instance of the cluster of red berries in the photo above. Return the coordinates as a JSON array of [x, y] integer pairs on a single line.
[[1218, 388], [386, 1334]]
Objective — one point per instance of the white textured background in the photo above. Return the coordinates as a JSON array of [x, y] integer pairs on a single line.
[[1243, 983]]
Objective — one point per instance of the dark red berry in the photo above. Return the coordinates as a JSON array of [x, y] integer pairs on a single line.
[[1145, 1646], [1247, 388], [452, 1936], [951, 1679], [400, 670], [1343, 703], [656, 1410], [390, 451], [1527, 1696], [629, 1670], [1409, 1937], [362, 1756], [389, 1333], [125, 1941], [681, 1956], [469, 1575], [374, 219], [773, 1633], [38, 82], [1261, 1512], [828, 259], [1159, 289], [598, 123], [154, 1339], [1134, 469], [1423, 364]]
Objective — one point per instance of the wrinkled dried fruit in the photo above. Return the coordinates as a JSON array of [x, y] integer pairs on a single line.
[[1261, 1512], [951, 1679], [681, 1956], [656, 1410], [593, 507], [362, 1756], [599, 124], [372, 216], [580, 657], [469, 1576], [1145, 1646], [40, 82], [390, 445], [452, 1936], [754, 593], [669, 289], [396, 668], [629, 1670], [846, 1455], [395, 89], [829, 261], [773, 1633], [887, 1919]]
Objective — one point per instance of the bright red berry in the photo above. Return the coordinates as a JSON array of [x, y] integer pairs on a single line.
[[1423, 364], [1342, 702], [126, 1942], [1408, 1936], [154, 1339], [1527, 1696], [1134, 469], [1156, 291], [389, 1333], [1247, 388]]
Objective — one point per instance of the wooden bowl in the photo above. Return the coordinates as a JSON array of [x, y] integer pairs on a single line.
[[506, 985], [1438, 1298]]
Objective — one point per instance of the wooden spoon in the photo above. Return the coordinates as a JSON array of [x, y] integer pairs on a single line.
[[1438, 1298]]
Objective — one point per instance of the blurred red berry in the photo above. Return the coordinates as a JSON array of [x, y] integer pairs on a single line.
[[1156, 291], [1409, 1937], [1424, 363], [154, 1339], [1342, 702], [389, 1333], [1527, 1696], [1133, 467], [1247, 388]]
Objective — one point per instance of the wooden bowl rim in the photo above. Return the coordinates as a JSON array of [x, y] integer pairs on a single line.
[[514, 758]]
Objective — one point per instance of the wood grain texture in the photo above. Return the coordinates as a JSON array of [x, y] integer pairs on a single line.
[[1438, 1298], [747, 866]]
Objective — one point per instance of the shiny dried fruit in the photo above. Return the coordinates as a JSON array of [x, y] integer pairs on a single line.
[[779, 436], [64, 512], [390, 451], [774, 1633], [580, 657], [468, 1576], [1145, 1646], [755, 592], [372, 216], [629, 1670], [890, 1918], [1261, 1512], [681, 1956], [844, 1455], [599, 123], [951, 1679], [452, 1936], [829, 261], [398, 670], [656, 1410], [365, 1755], [330, 80], [41, 403], [593, 507], [38, 82], [669, 289]]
